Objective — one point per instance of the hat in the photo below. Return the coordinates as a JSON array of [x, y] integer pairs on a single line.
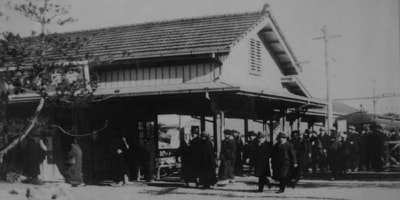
[[205, 134], [281, 135], [251, 133], [235, 131], [227, 132], [378, 126], [260, 135], [194, 129], [351, 127]]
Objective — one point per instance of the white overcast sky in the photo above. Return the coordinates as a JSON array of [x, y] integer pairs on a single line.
[[368, 49]]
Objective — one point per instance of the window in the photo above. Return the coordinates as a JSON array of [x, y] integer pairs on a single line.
[[255, 57]]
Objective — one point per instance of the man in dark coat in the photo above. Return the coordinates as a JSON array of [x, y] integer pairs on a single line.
[[324, 138], [283, 158], [227, 157], [378, 148], [316, 149], [260, 160], [247, 151], [119, 156], [303, 151], [353, 141], [207, 163], [34, 154], [334, 154], [239, 142], [192, 161]]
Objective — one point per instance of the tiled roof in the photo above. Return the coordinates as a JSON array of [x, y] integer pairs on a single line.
[[175, 37]]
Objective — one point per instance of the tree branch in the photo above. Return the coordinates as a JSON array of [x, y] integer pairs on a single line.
[[26, 132]]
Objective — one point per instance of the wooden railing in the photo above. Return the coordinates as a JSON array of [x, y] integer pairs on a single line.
[[167, 158], [392, 154]]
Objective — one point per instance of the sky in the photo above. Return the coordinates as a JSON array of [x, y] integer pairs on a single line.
[[367, 51]]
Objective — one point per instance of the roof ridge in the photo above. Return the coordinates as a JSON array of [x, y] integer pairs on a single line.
[[161, 21]]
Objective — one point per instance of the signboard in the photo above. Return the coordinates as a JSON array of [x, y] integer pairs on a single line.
[[342, 125]]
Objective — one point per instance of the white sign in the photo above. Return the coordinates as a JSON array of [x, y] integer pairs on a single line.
[[342, 125]]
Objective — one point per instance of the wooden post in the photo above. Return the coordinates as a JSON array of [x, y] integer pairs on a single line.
[[291, 126], [202, 123], [246, 129], [219, 127], [271, 131], [283, 118], [215, 132], [156, 133], [298, 123]]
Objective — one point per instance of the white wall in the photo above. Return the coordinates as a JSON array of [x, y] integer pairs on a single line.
[[236, 68]]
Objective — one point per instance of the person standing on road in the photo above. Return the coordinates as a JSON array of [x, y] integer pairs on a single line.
[[227, 157], [34, 154], [239, 142], [206, 162], [303, 151], [323, 159], [316, 149], [191, 171], [260, 161], [353, 142], [283, 157], [74, 165], [119, 151], [378, 147]]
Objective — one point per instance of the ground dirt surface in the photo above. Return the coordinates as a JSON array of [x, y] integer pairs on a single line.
[[243, 188]]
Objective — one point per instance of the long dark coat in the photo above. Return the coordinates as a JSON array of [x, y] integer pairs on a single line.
[[74, 170], [260, 158], [119, 161], [33, 157], [283, 156], [227, 157], [303, 150], [191, 159], [353, 141], [239, 156], [207, 163]]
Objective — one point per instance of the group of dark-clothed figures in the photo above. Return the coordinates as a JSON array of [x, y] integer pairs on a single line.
[[199, 160], [35, 152], [340, 152]]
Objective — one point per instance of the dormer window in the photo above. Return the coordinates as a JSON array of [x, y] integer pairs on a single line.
[[255, 57]]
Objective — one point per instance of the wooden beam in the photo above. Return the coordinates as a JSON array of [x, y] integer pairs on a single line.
[[246, 129], [202, 122]]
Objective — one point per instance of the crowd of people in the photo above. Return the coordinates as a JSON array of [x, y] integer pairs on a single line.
[[200, 164], [341, 152], [286, 160]]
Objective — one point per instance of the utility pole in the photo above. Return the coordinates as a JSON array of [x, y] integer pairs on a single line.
[[326, 38]]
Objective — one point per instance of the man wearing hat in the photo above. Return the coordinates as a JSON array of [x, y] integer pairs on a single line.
[[354, 143], [227, 157], [248, 148], [378, 148], [283, 158], [206, 161], [260, 160], [191, 173], [325, 141]]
